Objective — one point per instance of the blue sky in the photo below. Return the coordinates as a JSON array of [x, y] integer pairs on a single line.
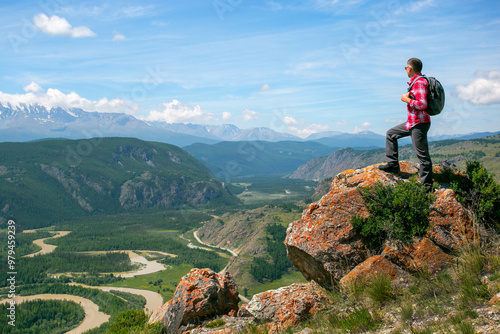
[[296, 66]]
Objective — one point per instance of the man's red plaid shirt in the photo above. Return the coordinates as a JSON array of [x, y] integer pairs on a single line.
[[418, 105]]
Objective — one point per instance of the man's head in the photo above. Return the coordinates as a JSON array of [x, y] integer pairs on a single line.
[[414, 65]]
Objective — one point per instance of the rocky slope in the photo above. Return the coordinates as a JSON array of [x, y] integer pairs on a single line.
[[338, 161], [245, 233], [324, 246]]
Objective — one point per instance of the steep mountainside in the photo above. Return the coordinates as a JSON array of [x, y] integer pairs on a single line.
[[340, 160], [486, 150], [52, 180], [245, 233], [363, 139], [233, 159]]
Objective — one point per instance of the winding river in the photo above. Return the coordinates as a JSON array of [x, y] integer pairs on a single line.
[[93, 317]]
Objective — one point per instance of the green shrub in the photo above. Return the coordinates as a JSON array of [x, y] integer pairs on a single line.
[[359, 321], [406, 311], [482, 194], [379, 289], [469, 271], [398, 212], [127, 321]]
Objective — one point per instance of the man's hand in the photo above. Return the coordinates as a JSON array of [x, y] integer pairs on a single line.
[[406, 98]]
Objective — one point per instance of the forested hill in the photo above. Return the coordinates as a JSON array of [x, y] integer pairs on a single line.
[[48, 181]]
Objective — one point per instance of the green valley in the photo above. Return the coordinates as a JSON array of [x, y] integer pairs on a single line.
[[120, 195]]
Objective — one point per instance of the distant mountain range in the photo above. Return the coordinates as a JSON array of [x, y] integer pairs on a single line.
[[486, 150], [31, 122], [25, 122]]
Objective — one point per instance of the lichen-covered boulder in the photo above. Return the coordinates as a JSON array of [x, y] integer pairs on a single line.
[[201, 294], [285, 306], [324, 246]]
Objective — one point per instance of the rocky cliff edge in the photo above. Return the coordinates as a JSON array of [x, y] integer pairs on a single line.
[[324, 246]]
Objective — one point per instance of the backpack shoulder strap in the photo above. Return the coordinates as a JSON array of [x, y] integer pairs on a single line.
[[416, 79]]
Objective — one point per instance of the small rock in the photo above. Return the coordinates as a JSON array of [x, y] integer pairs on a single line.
[[495, 300]]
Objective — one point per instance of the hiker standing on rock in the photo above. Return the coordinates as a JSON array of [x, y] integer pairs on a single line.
[[417, 125]]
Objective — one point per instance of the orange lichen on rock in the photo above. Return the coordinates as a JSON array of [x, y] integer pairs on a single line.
[[285, 307], [200, 295], [495, 300], [375, 265], [324, 246], [451, 224], [416, 256]]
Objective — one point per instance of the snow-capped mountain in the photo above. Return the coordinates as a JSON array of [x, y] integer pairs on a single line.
[[25, 122], [31, 122], [226, 132]]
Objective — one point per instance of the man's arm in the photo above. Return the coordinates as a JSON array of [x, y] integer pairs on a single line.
[[419, 92]]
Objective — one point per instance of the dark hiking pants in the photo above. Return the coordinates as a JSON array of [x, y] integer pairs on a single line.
[[419, 139]]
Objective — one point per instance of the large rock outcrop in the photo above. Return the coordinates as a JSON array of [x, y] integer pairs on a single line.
[[201, 294], [324, 246]]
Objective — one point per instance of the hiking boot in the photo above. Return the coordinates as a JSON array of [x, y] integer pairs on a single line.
[[389, 168]]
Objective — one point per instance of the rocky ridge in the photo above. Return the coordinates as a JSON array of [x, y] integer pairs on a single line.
[[324, 246]]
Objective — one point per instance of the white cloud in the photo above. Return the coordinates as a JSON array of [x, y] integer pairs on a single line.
[[56, 25], [119, 37], [290, 120], [227, 116], [264, 88], [32, 87], [362, 128], [301, 128], [249, 115], [177, 112], [306, 130], [483, 90], [54, 98]]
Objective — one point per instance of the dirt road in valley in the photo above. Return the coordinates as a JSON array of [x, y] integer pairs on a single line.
[[195, 234], [93, 317]]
